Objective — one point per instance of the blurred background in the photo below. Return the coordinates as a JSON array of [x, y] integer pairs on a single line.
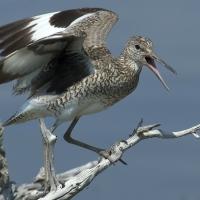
[[157, 169]]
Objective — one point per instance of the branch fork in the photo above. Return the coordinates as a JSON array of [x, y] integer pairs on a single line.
[[78, 178]]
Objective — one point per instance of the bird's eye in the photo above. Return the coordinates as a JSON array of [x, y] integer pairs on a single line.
[[137, 46]]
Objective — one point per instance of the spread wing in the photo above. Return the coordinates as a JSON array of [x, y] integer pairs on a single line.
[[51, 52]]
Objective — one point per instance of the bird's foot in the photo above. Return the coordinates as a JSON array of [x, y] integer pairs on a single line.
[[55, 184], [49, 183], [107, 154], [49, 140], [52, 185]]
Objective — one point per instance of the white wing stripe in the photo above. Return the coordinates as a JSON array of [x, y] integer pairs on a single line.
[[42, 28]]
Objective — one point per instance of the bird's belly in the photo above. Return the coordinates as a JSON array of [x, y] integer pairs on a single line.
[[93, 107], [76, 108]]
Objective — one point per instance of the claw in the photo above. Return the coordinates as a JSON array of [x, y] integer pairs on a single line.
[[107, 153], [124, 141], [123, 162]]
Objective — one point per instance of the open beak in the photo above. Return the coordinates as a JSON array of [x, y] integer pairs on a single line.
[[150, 62]]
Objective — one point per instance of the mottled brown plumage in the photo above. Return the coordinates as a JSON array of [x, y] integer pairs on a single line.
[[67, 91]]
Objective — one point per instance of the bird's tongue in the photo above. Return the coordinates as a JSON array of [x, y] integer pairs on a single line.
[[152, 66]]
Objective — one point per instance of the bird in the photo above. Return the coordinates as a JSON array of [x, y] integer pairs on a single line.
[[62, 62]]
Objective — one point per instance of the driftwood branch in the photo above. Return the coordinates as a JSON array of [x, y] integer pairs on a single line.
[[77, 179], [6, 187]]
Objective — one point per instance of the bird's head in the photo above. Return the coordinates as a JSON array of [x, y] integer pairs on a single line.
[[141, 51]]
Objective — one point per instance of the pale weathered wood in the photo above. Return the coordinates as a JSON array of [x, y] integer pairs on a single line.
[[77, 179], [6, 192]]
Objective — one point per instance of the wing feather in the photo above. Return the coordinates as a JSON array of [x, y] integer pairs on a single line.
[[50, 52]]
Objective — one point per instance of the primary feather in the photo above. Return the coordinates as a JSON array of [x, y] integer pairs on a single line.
[[33, 51]]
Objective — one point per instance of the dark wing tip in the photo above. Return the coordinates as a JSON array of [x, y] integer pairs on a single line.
[[66, 17]]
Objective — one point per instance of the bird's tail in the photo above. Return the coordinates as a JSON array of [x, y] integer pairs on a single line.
[[30, 111], [17, 118]]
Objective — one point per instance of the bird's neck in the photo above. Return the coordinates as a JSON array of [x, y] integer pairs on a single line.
[[128, 61]]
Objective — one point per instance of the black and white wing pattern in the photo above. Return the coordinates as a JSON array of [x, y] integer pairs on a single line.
[[51, 52]]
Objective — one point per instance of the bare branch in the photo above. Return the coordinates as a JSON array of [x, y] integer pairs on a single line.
[[77, 179], [6, 192]]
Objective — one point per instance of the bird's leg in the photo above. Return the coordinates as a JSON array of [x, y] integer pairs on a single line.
[[68, 138], [49, 141]]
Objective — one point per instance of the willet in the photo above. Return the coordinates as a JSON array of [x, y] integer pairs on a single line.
[[62, 60]]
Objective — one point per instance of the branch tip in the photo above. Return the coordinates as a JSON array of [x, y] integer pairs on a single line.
[[196, 135], [135, 130], [147, 128]]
